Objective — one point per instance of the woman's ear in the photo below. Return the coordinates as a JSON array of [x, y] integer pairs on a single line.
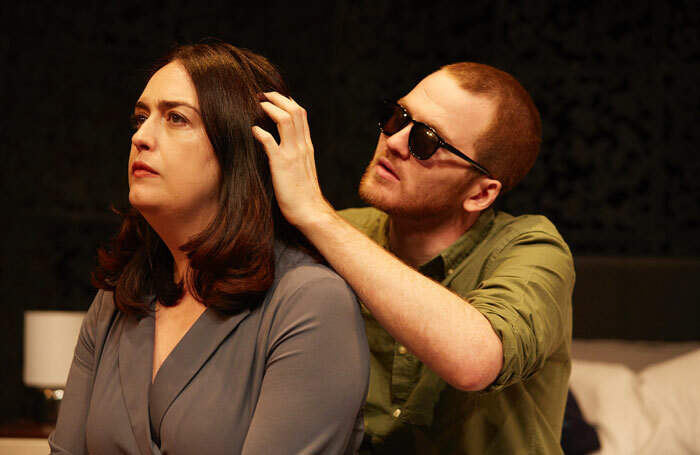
[[481, 194]]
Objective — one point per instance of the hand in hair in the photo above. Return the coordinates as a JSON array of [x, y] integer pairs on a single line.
[[292, 162]]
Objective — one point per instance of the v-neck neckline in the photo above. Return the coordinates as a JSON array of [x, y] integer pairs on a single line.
[[175, 347], [185, 359]]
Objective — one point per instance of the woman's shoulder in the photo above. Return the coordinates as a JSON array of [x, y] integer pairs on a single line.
[[97, 321], [102, 307], [296, 268], [311, 300], [307, 283]]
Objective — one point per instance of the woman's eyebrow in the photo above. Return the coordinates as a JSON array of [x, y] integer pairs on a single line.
[[164, 105], [141, 105]]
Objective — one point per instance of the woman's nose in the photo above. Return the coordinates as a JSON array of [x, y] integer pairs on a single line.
[[144, 137]]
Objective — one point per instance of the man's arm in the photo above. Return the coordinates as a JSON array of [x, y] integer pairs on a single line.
[[443, 330], [439, 327]]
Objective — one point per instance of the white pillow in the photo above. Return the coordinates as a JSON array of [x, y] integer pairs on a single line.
[[654, 412], [671, 392], [607, 394]]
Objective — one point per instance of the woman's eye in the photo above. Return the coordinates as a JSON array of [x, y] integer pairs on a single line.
[[176, 118], [137, 120]]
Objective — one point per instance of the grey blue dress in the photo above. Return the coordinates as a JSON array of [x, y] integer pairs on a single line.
[[289, 376]]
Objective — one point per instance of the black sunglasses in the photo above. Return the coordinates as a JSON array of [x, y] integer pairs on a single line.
[[423, 140]]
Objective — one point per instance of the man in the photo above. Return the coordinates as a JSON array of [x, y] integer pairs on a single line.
[[467, 311]]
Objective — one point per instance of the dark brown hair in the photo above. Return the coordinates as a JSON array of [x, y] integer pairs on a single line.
[[232, 260], [510, 145]]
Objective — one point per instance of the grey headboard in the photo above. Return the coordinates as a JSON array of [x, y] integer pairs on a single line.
[[637, 298]]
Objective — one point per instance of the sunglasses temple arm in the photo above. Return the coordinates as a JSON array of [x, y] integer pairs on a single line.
[[471, 161]]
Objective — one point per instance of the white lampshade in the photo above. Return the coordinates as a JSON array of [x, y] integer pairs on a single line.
[[49, 341]]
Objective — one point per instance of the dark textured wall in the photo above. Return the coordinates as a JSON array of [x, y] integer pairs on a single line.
[[616, 84]]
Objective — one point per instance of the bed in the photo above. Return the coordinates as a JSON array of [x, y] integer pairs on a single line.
[[636, 357]]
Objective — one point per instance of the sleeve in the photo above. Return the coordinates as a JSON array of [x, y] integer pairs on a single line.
[[69, 435], [526, 296], [316, 376]]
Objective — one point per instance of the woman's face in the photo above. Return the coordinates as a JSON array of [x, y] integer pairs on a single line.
[[173, 171]]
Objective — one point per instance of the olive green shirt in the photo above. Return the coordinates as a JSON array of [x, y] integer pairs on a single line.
[[518, 272]]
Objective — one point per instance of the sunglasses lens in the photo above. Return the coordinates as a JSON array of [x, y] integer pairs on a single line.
[[422, 141], [391, 118]]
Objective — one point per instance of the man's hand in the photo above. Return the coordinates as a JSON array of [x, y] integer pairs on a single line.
[[292, 162]]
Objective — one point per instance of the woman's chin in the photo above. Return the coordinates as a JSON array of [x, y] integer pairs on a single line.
[[143, 202]]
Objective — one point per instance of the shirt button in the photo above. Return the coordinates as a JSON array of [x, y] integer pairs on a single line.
[[402, 350], [450, 271], [396, 413]]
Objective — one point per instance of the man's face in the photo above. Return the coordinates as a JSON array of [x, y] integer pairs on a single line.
[[402, 185]]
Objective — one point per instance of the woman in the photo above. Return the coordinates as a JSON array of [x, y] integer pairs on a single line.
[[213, 332]]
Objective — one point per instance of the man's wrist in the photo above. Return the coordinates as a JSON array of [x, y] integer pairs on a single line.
[[316, 221]]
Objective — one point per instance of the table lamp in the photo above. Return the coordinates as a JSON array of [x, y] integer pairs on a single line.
[[49, 341]]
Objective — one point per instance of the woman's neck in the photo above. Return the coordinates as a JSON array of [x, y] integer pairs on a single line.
[[175, 233]]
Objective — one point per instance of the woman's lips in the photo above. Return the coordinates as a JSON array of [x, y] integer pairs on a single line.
[[386, 170], [141, 169]]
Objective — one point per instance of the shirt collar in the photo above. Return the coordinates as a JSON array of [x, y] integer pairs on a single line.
[[446, 263]]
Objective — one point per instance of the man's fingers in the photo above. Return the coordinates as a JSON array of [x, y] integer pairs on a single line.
[[290, 106], [292, 160], [307, 131], [285, 103], [266, 139], [298, 114], [291, 119], [284, 121]]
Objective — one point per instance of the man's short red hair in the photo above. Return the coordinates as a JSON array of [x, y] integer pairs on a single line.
[[509, 147]]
